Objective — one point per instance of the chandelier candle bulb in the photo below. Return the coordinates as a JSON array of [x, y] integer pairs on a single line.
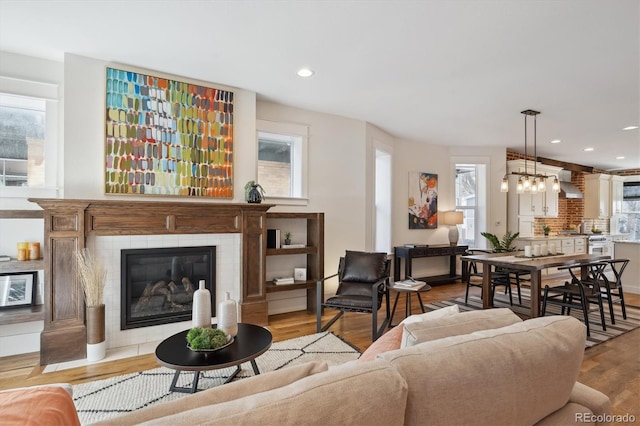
[[201, 309]]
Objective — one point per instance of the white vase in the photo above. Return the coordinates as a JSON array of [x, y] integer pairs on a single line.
[[201, 308], [228, 315]]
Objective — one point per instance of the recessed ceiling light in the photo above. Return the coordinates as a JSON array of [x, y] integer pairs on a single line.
[[556, 141], [305, 72], [620, 157], [630, 128], [588, 149]]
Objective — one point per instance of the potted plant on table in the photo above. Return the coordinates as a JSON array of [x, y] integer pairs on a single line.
[[501, 245], [546, 230]]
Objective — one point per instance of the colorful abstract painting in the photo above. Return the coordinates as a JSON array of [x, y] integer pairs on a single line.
[[167, 137], [423, 200]]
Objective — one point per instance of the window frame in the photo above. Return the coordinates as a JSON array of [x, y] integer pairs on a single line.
[[49, 93], [481, 207], [300, 163]]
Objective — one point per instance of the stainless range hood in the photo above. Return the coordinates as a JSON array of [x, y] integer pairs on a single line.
[[567, 189]]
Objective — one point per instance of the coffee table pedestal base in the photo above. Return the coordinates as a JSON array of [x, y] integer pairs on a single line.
[[196, 376]]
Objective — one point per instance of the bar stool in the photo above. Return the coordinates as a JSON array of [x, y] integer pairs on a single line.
[[584, 291]]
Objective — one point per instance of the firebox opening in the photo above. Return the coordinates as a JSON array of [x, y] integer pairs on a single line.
[[157, 284]]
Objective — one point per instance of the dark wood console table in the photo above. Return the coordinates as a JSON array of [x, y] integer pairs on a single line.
[[410, 253]]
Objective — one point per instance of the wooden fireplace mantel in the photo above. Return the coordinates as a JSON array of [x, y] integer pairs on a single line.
[[67, 223]]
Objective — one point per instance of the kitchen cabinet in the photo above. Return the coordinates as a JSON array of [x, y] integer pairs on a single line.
[[597, 196], [616, 189], [522, 208]]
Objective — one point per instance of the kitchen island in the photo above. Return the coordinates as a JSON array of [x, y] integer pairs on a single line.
[[629, 249]]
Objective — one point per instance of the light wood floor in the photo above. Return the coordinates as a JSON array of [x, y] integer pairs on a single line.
[[612, 367]]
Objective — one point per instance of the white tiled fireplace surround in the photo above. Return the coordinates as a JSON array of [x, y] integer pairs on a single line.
[[139, 341], [107, 248]]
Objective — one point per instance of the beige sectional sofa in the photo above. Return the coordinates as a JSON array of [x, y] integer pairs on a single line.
[[476, 368]]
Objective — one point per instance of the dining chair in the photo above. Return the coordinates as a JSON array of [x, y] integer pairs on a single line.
[[612, 289], [584, 291], [500, 277]]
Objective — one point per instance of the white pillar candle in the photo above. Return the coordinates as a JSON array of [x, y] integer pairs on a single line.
[[552, 248], [536, 249], [543, 250], [527, 251]]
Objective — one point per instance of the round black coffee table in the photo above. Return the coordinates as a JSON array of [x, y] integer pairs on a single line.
[[250, 342]]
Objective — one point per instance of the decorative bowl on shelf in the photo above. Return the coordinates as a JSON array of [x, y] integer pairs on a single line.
[[596, 231]]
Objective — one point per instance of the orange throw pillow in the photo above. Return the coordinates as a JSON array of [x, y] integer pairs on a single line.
[[46, 406], [387, 342]]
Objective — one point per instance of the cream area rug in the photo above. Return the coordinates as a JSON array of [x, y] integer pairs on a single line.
[[105, 399]]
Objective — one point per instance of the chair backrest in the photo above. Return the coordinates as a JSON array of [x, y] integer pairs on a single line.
[[617, 266], [591, 285], [357, 272]]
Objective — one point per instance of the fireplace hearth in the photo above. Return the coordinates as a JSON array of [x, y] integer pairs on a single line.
[[157, 284]]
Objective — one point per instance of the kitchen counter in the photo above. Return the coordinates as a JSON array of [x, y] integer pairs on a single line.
[[629, 249]]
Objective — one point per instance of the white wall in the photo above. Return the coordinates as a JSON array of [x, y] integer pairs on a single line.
[[419, 157], [337, 177]]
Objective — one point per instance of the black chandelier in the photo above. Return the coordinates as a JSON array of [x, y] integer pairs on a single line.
[[530, 182]]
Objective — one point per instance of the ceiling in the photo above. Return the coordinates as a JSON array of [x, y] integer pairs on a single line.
[[439, 72]]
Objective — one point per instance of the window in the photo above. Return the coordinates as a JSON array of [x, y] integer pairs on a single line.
[[28, 142], [629, 221], [470, 188], [382, 219], [282, 159]]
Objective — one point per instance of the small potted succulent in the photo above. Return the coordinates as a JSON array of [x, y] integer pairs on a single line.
[[287, 238], [546, 230]]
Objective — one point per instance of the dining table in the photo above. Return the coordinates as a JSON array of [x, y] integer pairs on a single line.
[[533, 265]]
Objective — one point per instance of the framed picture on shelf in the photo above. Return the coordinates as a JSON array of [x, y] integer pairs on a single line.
[[300, 274], [18, 289]]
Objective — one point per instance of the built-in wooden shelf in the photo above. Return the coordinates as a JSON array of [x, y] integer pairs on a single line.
[[297, 250], [21, 314], [272, 288], [21, 214], [13, 265]]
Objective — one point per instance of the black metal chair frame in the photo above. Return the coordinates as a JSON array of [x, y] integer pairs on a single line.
[[500, 277], [583, 291], [376, 331], [472, 271], [613, 287]]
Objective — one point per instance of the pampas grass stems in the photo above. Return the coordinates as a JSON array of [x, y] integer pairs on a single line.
[[92, 275]]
